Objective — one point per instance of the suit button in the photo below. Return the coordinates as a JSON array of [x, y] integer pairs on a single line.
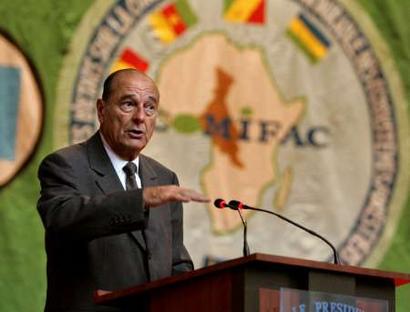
[[149, 255]]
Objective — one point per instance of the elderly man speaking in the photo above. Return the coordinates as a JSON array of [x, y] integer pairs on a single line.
[[113, 217]]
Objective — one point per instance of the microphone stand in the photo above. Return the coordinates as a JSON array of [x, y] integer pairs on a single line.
[[246, 251], [238, 205]]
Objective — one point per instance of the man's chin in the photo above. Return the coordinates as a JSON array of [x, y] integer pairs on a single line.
[[135, 146]]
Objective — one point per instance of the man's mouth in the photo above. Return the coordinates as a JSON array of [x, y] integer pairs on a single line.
[[136, 133]]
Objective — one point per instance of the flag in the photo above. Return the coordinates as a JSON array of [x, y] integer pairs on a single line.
[[309, 38], [172, 20], [245, 11], [130, 59]]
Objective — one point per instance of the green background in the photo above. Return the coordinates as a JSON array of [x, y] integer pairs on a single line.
[[43, 29]]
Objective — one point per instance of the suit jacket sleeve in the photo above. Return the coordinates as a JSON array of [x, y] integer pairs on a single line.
[[68, 210]]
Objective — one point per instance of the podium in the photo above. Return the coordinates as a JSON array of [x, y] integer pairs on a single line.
[[252, 284]]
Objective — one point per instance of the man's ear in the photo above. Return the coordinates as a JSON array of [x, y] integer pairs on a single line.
[[100, 110]]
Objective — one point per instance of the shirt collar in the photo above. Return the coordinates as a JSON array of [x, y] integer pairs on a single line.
[[117, 162]]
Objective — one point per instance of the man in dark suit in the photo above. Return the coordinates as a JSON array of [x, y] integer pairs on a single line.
[[113, 217]]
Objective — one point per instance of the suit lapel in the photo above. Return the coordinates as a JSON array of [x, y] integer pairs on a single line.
[[147, 173], [106, 178]]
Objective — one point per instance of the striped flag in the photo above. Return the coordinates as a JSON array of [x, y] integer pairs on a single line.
[[245, 11], [130, 59], [309, 38], [172, 20]]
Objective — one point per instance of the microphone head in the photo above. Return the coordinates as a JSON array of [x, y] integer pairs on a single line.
[[236, 204], [220, 203]]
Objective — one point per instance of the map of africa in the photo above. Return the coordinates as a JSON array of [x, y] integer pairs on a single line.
[[244, 124]]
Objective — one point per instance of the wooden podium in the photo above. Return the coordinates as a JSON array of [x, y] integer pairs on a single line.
[[246, 284]]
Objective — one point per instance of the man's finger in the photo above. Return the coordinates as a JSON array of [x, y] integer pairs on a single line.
[[158, 195], [192, 195]]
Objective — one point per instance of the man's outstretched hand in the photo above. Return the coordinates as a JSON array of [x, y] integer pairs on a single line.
[[158, 195]]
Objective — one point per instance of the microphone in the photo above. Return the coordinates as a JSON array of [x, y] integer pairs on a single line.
[[221, 204], [237, 205]]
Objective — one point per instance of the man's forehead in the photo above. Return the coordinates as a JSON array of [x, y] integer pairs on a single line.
[[131, 81]]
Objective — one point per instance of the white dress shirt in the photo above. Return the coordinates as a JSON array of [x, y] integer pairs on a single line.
[[119, 163]]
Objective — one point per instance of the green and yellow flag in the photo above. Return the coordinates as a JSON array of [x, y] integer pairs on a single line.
[[309, 38]]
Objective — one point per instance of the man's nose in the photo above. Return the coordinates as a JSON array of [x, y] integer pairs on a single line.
[[139, 113]]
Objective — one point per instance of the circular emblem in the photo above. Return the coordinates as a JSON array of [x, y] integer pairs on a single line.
[[21, 110], [283, 105]]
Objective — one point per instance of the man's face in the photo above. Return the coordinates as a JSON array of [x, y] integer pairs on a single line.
[[127, 118]]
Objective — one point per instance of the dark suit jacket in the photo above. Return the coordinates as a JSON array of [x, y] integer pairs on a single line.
[[94, 228]]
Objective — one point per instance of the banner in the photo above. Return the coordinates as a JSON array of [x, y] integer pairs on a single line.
[[284, 105]]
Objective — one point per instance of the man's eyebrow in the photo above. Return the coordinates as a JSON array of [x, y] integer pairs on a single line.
[[153, 98], [126, 96], [132, 96]]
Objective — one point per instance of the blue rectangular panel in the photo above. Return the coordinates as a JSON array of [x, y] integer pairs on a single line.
[[9, 102]]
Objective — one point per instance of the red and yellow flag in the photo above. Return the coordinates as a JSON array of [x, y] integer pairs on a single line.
[[245, 11], [130, 59], [172, 20]]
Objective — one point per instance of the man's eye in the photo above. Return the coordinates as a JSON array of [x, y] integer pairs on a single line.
[[150, 109], [127, 106]]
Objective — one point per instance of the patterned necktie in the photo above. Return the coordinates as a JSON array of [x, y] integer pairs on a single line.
[[130, 170]]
